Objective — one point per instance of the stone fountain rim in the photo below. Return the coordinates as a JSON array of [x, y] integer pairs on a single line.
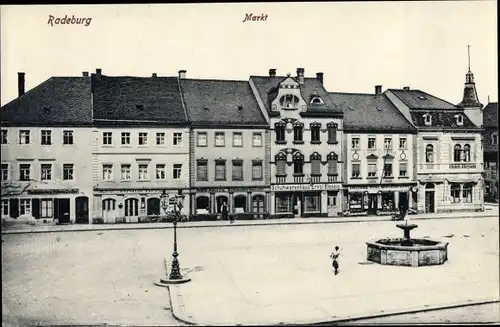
[[438, 246]]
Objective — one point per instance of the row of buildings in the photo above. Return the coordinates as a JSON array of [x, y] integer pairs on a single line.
[[96, 147]]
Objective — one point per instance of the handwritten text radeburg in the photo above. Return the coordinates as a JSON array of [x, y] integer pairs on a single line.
[[68, 20]]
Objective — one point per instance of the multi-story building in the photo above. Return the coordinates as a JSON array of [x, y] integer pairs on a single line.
[[449, 149], [229, 138], [378, 154], [305, 129], [46, 155], [140, 146], [490, 148]]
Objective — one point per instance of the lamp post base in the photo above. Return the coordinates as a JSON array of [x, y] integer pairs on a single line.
[[165, 282]]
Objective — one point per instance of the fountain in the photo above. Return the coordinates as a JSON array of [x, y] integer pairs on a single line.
[[407, 251]]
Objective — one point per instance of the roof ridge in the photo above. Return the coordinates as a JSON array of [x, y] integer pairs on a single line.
[[354, 93], [214, 80]]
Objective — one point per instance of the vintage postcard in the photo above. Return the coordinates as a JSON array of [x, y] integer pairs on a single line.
[[250, 164]]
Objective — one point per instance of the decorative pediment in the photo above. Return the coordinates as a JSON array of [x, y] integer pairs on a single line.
[[372, 156], [332, 156], [315, 156], [388, 157]]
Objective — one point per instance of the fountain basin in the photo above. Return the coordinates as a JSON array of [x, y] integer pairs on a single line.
[[421, 252]]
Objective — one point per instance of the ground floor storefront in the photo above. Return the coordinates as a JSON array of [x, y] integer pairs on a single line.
[[450, 192], [306, 200], [242, 202], [364, 200]]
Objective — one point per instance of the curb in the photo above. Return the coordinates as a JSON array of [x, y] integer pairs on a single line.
[[169, 226]]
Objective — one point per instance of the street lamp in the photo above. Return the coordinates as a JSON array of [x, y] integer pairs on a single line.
[[175, 276]]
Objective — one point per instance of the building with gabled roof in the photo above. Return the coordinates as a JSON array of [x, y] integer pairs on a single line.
[[490, 146], [378, 154], [305, 143]]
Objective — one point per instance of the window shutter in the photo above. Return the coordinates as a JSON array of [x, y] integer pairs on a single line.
[[281, 167], [332, 167], [35, 208], [332, 134], [14, 208], [315, 167]]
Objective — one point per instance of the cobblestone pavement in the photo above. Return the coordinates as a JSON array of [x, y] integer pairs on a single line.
[[107, 276]]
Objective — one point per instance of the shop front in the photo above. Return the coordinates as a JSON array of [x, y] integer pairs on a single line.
[[305, 200]]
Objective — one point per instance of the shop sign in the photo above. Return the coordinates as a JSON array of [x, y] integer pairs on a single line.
[[306, 187], [227, 190]]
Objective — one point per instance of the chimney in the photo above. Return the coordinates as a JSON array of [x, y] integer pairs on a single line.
[[272, 72], [154, 75], [319, 76], [300, 75], [182, 74], [20, 83], [378, 89], [98, 71], [85, 74], [406, 88]]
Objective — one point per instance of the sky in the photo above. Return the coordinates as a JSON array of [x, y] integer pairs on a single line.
[[357, 45]]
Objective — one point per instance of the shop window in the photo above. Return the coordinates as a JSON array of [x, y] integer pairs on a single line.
[[356, 201], [467, 192], [240, 203], [388, 203], [202, 203], [455, 192], [283, 203], [312, 203]]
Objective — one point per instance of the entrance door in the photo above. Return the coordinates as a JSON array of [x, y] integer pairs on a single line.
[[82, 210], [131, 209], [429, 201], [372, 204], [258, 206], [403, 201], [63, 208], [153, 207], [297, 205], [109, 212], [332, 205]]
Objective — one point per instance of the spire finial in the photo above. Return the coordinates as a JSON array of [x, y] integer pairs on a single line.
[[468, 52]]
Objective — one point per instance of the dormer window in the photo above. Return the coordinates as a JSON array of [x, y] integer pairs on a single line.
[[316, 100], [289, 101], [427, 119], [460, 120]]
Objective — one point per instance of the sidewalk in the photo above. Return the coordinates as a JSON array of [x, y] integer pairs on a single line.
[[489, 212]]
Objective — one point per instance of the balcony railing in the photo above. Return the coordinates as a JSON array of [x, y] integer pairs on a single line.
[[298, 179], [448, 165], [281, 179], [332, 178], [315, 178], [462, 165]]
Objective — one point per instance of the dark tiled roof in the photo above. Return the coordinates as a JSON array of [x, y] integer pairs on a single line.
[[370, 112], [441, 119], [57, 101], [490, 115], [267, 88], [416, 99], [138, 99], [213, 102]]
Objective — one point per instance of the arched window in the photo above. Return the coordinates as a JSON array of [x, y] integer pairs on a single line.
[[332, 163], [466, 153], [108, 204], [289, 101], [457, 153], [429, 153], [315, 132], [280, 160], [298, 164], [494, 138], [315, 159], [297, 132]]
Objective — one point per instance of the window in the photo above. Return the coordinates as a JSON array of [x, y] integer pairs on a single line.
[[455, 192], [201, 139], [298, 164], [372, 169], [403, 169], [67, 137], [125, 138], [315, 164], [4, 136], [24, 137], [402, 142], [202, 170], [107, 138], [279, 129], [143, 172], [467, 193], [457, 153], [355, 143], [388, 143], [316, 100], [125, 172], [143, 138], [160, 138], [494, 138], [237, 170], [177, 138], [429, 153], [388, 169], [460, 120], [220, 139], [68, 172], [332, 132], [332, 164], [312, 203], [5, 172], [289, 101], [427, 119], [280, 164], [315, 133], [46, 137], [466, 153], [46, 170], [237, 139], [297, 133], [161, 172], [107, 172], [371, 143], [5, 208], [25, 172], [257, 139], [25, 207], [356, 170], [283, 202], [47, 206], [220, 170], [257, 170], [177, 170]]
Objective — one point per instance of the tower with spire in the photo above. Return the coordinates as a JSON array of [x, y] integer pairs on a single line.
[[470, 102]]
